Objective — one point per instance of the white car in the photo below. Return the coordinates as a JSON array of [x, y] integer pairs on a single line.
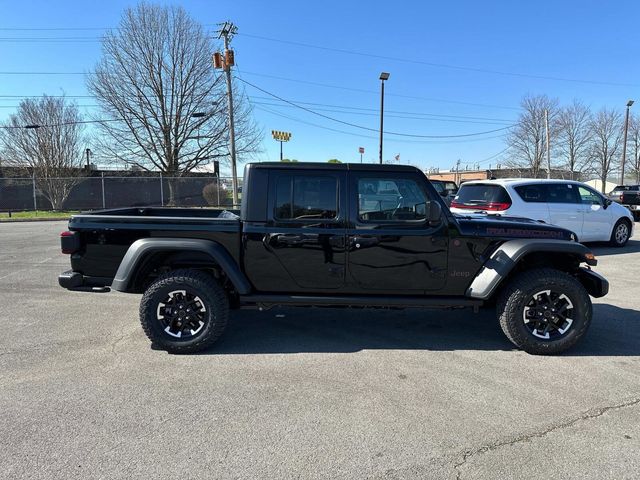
[[568, 204]]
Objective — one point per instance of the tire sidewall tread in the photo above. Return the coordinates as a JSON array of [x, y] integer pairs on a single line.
[[612, 241], [517, 293], [210, 292]]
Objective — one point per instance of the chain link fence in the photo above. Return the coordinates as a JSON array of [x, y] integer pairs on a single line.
[[106, 191]]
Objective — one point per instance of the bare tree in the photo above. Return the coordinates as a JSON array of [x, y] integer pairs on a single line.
[[633, 147], [606, 127], [527, 139], [572, 126], [50, 148], [155, 80]]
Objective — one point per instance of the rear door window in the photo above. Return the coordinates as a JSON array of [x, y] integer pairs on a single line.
[[562, 193], [534, 193], [306, 197]]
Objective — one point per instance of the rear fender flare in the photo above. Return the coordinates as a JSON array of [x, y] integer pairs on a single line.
[[139, 249], [507, 256]]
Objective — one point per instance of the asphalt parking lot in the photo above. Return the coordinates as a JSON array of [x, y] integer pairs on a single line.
[[306, 393]]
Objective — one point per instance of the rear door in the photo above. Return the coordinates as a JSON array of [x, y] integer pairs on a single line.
[[565, 207], [302, 246], [535, 206], [392, 248]]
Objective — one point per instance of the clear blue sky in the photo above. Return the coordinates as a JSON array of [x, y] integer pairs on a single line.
[[580, 40]]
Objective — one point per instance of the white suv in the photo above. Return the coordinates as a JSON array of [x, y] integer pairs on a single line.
[[571, 205]]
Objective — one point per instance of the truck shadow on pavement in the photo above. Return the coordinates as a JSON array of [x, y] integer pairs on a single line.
[[601, 249], [614, 331]]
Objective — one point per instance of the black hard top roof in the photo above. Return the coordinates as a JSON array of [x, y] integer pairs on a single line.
[[336, 166]]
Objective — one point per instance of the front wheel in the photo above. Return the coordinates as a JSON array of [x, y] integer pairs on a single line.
[[184, 311], [544, 311], [621, 232]]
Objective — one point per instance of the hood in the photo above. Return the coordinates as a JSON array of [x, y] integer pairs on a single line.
[[483, 225]]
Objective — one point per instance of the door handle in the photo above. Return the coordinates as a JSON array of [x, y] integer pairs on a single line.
[[364, 242], [288, 238]]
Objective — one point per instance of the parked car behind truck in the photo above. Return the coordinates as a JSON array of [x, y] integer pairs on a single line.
[[334, 235], [628, 196], [572, 205]]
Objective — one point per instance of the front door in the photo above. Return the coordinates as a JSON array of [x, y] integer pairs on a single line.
[[597, 220], [392, 247]]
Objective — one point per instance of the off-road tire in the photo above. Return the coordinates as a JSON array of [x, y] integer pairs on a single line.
[[518, 292], [197, 283], [615, 241]]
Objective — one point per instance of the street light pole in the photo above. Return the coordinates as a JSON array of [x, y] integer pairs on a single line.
[[383, 76], [624, 143]]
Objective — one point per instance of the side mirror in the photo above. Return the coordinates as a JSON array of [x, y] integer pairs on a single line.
[[435, 213], [607, 202]]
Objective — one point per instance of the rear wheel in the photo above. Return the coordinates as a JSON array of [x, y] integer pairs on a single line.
[[184, 311], [620, 233], [544, 311]]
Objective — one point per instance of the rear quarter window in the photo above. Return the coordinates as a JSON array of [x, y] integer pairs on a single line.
[[438, 186]]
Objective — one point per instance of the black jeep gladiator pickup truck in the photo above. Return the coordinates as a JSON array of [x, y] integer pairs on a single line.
[[334, 235]]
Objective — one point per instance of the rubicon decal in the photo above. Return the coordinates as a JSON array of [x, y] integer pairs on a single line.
[[518, 232]]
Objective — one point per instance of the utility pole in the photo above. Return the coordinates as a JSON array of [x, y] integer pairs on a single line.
[[546, 128], [457, 172], [227, 31], [624, 143]]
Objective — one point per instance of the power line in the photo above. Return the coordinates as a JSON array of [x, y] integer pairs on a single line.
[[46, 73], [62, 124], [440, 65], [342, 107], [403, 141], [371, 114], [324, 48], [494, 156], [306, 82], [351, 89], [368, 128], [392, 111]]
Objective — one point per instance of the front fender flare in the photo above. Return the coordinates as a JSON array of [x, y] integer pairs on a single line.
[[136, 253], [507, 256]]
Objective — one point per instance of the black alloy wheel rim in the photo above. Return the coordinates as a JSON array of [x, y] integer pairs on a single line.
[[548, 315], [182, 315]]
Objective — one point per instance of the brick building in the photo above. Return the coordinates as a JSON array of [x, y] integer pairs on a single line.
[[462, 176]]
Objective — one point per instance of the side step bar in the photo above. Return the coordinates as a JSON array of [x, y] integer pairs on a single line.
[[267, 301]]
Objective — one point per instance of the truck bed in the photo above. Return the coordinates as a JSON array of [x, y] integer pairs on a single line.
[[160, 212], [106, 235]]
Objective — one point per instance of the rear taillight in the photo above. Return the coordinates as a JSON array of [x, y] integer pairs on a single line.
[[622, 197], [489, 206], [69, 242]]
